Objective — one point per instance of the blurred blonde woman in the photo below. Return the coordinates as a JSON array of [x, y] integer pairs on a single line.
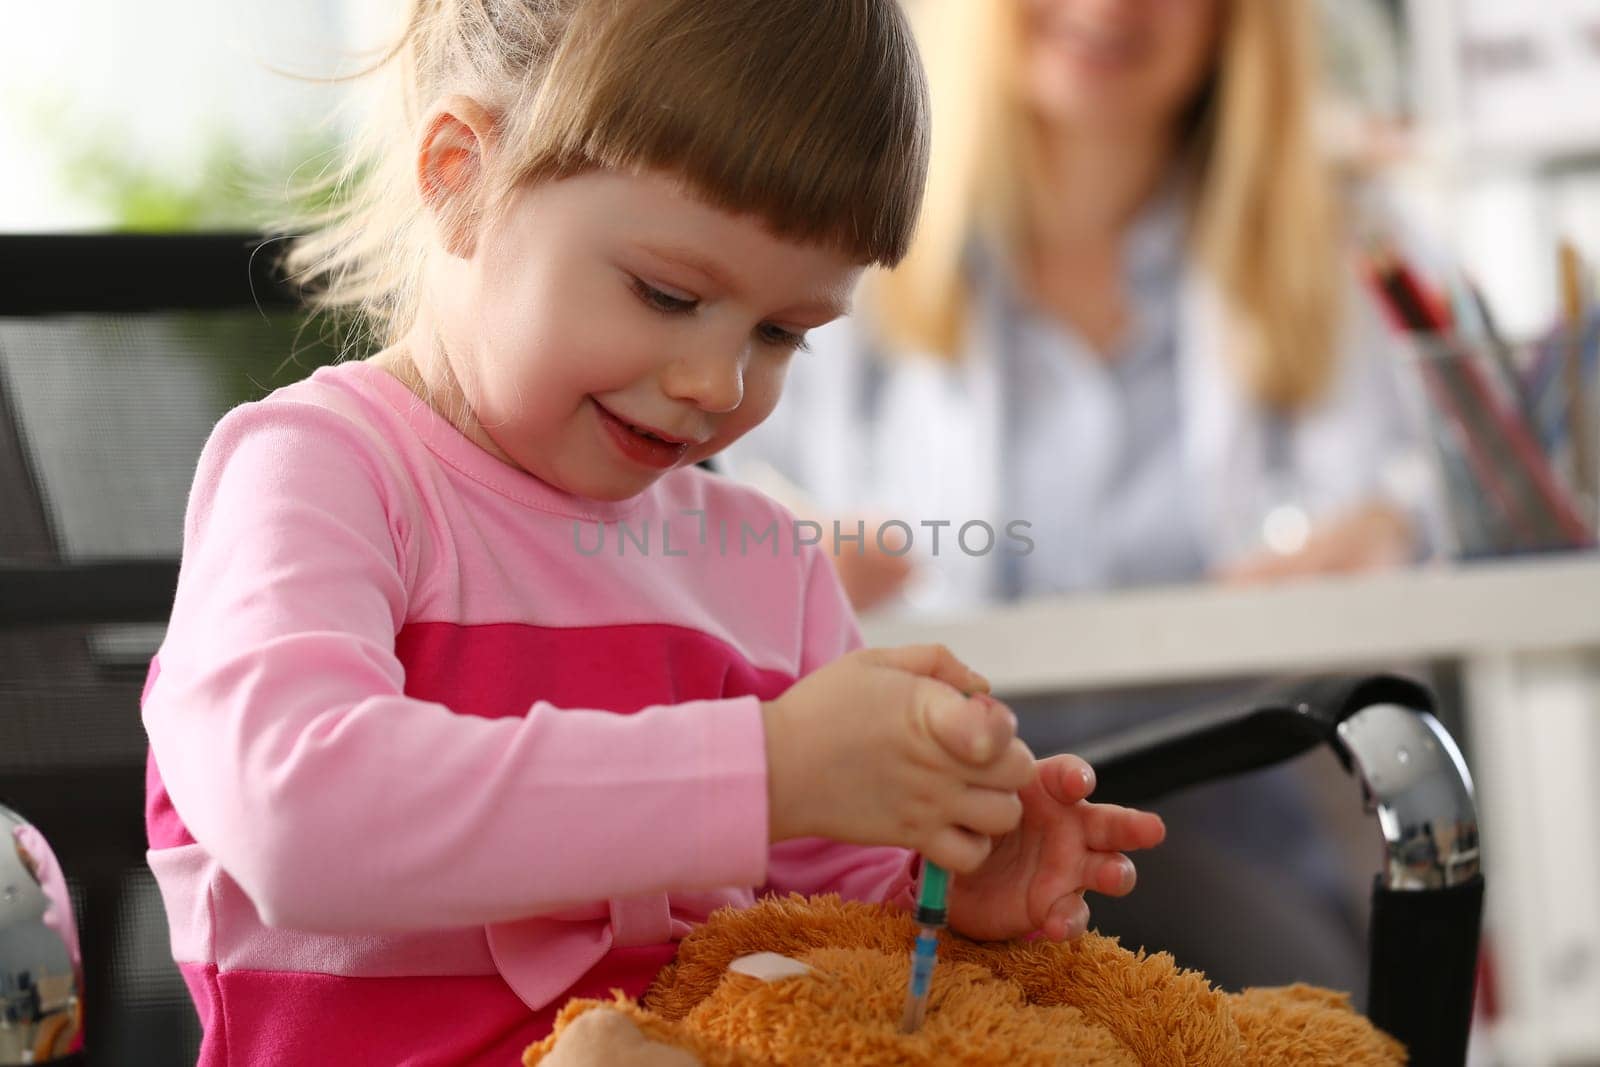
[[1129, 320]]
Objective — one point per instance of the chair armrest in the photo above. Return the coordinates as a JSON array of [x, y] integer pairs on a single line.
[[1277, 723], [1428, 899]]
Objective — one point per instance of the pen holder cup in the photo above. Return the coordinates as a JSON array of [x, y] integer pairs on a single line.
[[1515, 430]]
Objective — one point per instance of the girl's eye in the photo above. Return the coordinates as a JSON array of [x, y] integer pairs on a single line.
[[778, 337], [673, 305]]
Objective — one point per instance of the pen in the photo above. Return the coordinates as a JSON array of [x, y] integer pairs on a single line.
[[1499, 351], [931, 917], [1504, 454], [1582, 452], [1548, 367], [1441, 374]]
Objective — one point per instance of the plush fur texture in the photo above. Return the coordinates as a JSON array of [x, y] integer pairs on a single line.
[[1017, 1004]]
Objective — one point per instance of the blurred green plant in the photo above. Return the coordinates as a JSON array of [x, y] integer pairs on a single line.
[[139, 197], [232, 187]]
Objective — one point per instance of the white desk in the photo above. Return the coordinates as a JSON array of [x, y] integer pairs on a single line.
[[1528, 634]]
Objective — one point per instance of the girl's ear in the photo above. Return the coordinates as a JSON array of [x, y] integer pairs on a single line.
[[451, 169]]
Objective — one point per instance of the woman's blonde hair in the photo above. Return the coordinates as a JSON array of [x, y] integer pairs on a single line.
[[810, 114], [1263, 220]]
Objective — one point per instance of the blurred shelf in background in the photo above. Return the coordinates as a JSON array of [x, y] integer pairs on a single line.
[[1499, 82]]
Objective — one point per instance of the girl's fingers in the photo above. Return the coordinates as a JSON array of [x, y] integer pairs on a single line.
[[958, 850], [972, 730], [1067, 778], [1109, 874], [1068, 919], [932, 661], [989, 811], [1012, 771], [1113, 828]]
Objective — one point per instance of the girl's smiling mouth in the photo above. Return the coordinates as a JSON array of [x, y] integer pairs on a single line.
[[646, 446]]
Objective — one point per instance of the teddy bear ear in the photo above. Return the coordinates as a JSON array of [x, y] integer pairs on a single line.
[[768, 966]]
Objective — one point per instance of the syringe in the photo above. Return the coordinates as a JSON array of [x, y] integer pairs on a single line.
[[931, 918]]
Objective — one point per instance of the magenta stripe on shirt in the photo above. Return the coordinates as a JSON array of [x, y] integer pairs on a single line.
[[490, 670], [501, 669], [311, 1020]]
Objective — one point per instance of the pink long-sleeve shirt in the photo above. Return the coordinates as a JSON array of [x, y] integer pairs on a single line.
[[424, 760]]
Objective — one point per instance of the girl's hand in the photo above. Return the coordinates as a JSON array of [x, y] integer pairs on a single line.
[[872, 575], [1372, 537], [880, 747], [1035, 877]]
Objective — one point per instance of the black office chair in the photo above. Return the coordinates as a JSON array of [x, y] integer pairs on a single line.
[[117, 354], [1427, 898]]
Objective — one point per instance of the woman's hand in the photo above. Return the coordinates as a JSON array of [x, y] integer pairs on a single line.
[[881, 747], [1036, 875], [1375, 536], [872, 575]]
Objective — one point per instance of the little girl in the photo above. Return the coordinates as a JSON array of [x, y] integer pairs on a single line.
[[477, 694]]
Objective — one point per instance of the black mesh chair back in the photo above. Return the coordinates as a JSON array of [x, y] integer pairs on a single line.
[[117, 355]]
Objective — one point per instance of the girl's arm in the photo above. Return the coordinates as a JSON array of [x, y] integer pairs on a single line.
[[282, 734], [815, 865]]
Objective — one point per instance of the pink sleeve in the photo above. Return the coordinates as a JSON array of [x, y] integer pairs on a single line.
[[813, 865], [282, 735]]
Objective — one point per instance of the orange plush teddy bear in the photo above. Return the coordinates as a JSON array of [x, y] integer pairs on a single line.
[[796, 981]]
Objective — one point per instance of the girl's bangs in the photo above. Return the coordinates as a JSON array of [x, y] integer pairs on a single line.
[[811, 123]]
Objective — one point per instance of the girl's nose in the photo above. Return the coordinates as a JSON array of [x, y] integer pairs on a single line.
[[712, 380]]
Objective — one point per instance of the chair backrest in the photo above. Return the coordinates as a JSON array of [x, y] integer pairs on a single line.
[[118, 353]]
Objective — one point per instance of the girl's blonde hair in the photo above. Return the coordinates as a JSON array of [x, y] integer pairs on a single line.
[[810, 114], [1263, 219]]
